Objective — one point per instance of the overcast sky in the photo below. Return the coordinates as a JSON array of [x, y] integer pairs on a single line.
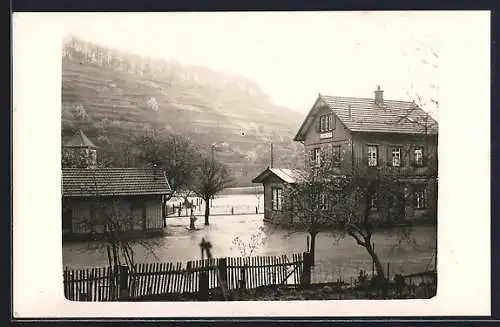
[[292, 56]]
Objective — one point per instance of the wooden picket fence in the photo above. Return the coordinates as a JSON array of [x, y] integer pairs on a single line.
[[110, 284]]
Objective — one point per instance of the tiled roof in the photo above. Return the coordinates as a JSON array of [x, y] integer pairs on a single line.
[[80, 140], [366, 116], [285, 174], [113, 181]]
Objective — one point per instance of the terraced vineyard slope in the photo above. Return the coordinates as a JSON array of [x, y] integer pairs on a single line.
[[110, 95]]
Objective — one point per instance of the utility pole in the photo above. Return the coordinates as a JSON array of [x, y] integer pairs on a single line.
[[272, 156]]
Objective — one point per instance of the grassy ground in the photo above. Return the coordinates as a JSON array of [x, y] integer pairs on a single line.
[[324, 291]]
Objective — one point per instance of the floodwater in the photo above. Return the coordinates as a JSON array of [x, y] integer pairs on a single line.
[[226, 204], [335, 257]]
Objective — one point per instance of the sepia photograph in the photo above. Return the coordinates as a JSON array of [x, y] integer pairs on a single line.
[[192, 182], [291, 159]]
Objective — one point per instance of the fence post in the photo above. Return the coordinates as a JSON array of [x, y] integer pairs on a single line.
[[203, 285], [222, 267], [242, 279], [232, 210], [256, 210], [306, 269], [373, 261], [65, 283], [123, 279]]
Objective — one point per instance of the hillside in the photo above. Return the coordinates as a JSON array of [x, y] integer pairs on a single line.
[[110, 94]]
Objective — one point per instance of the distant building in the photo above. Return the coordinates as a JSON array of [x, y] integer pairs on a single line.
[[80, 152], [362, 135], [98, 200]]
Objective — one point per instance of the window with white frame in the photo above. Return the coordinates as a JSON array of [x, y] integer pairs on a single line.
[[336, 155], [317, 157], [372, 155], [419, 197], [326, 123], [396, 156], [324, 201], [419, 156], [277, 198], [373, 202]]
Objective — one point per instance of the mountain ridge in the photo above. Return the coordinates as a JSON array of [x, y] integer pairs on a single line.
[[108, 92]]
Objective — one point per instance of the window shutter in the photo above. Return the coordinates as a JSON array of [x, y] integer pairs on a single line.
[[380, 162], [365, 156], [334, 121], [328, 150], [414, 194], [412, 156], [311, 158], [318, 124], [403, 150], [336, 154], [425, 196], [388, 161]]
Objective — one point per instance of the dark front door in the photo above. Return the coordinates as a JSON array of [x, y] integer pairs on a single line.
[[139, 216]]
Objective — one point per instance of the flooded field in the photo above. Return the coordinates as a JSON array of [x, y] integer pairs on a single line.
[[227, 203], [334, 257]]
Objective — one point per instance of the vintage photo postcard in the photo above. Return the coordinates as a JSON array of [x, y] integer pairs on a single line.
[[299, 161]]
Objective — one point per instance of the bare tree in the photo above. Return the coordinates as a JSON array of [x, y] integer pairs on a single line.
[[248, 246], [305, 203], [176, 154], [356, 204], [211, 177], [353, 202]]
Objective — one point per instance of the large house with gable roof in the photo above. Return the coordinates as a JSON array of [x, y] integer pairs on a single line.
[[360, 135]]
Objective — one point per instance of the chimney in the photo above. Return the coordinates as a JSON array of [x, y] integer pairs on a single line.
[[379, 96], [155, 171]]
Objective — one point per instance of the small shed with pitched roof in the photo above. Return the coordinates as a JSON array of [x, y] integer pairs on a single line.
[[274, 181]]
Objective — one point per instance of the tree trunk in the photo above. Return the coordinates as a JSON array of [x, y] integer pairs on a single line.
[[207, 210], [313, 246], [378, 266]]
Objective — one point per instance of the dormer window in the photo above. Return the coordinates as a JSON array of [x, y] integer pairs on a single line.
[[326, 123]]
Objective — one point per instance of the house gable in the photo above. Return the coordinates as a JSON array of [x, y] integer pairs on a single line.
[[283, 175], [365, 115], [309, 120], [359, 121], [314, 135]]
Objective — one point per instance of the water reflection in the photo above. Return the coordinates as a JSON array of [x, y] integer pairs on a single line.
[[333, 254]]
